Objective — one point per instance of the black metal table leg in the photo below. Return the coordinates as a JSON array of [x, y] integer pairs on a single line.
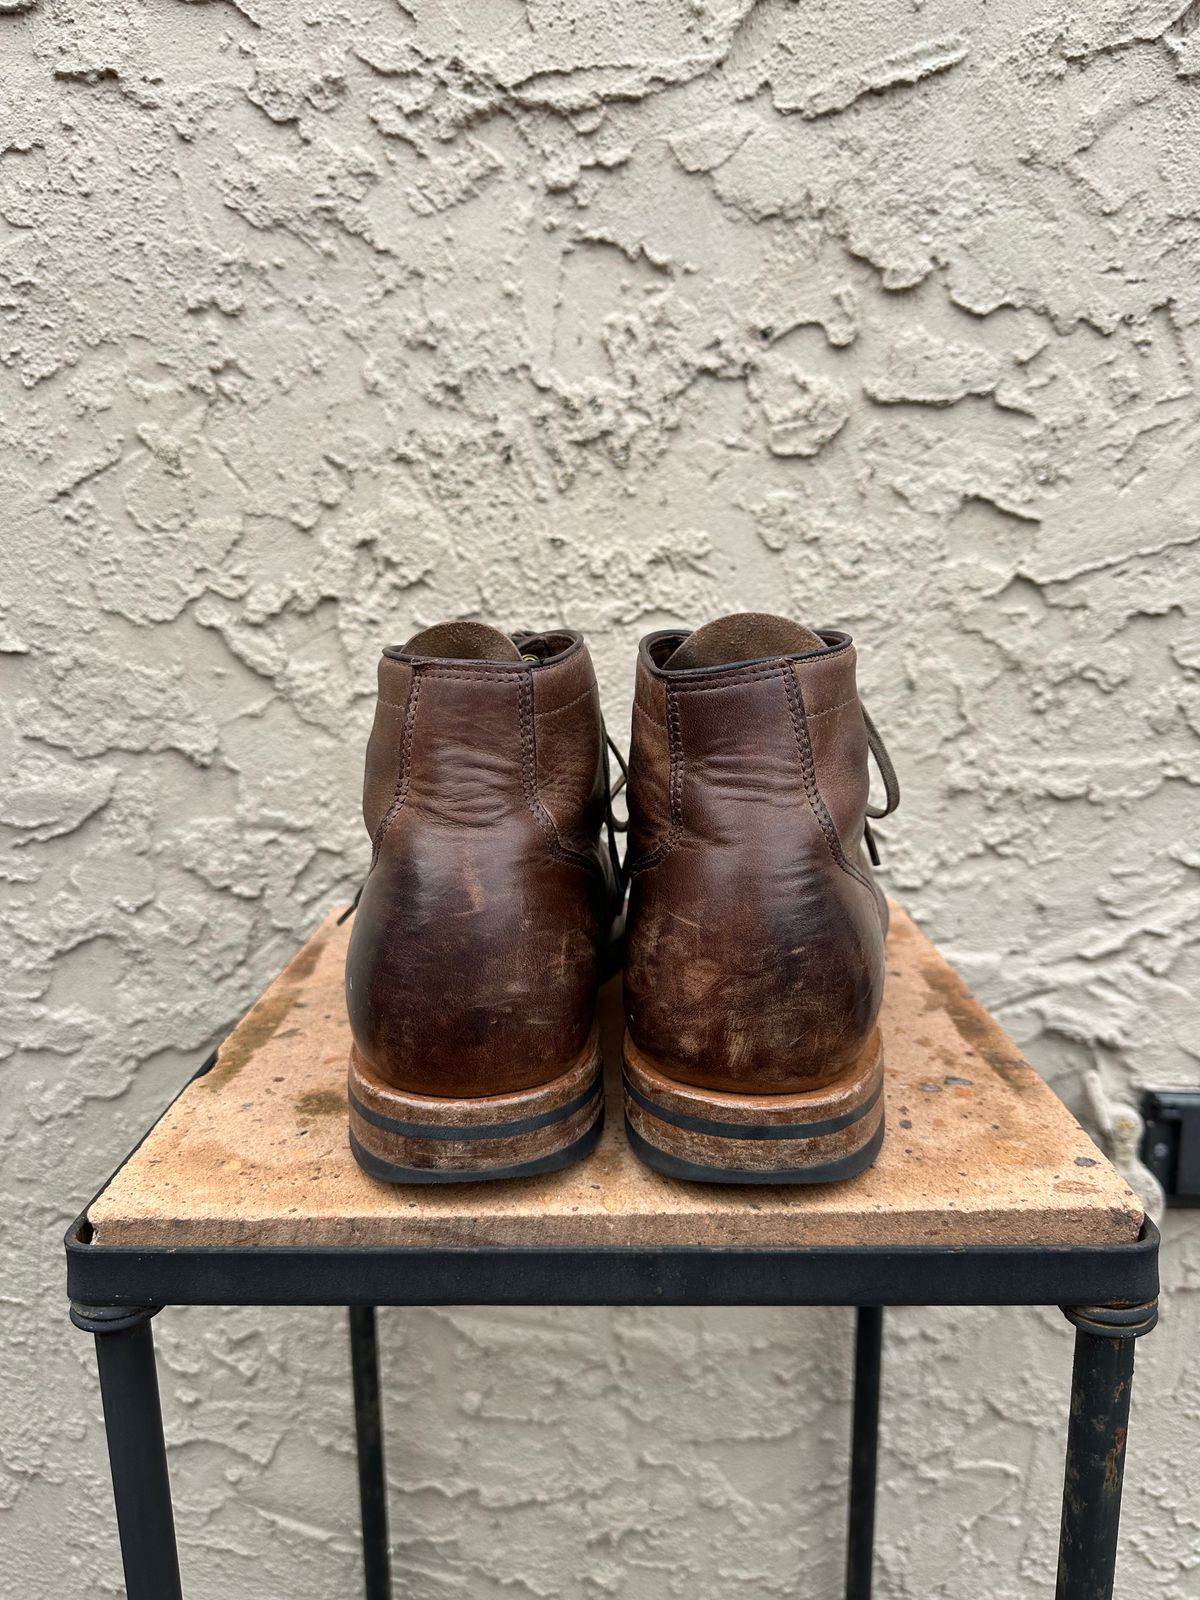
[[368, 1427], [864, 1452], [1101, 1380], [137, 1451]]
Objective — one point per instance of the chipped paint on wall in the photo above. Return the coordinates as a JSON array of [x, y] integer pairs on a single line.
[[320, 323]]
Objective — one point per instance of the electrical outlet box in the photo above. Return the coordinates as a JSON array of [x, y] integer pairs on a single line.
[[1171, 1143]]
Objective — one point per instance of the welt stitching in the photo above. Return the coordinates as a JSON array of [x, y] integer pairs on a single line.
[[401, 791], [674, 790], [808, 773]]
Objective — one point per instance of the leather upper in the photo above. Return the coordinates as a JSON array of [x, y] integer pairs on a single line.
[[755, 930], [473, 961]]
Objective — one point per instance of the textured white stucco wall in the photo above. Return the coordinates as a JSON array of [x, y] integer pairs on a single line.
[[321, 320]]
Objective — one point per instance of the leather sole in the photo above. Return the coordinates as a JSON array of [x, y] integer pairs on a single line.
[[823, 1135], [401, 1137]]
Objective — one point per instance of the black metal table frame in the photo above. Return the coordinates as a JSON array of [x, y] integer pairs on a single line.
[[1108, 1292]]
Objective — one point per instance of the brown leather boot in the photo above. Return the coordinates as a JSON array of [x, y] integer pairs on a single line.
[[475, 957], [754, 957]]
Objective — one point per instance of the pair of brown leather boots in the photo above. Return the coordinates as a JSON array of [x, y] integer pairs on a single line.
[[753, 948]]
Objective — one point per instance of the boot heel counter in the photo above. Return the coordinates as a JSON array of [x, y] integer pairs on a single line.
[[755, 938], [473, 961], [452, 985], [788, 1002]]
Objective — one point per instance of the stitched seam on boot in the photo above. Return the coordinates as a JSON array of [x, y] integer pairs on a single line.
[[812, 716], [727, 680], [693, 679], [473, 675], [554, 711], [400, 793], [654, 721], [808, 773], [674, 833], [529, 782]]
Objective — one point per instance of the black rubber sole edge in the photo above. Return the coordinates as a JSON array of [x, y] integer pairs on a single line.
[[480, 1130], [754, 1130], [692, 1172], [390, 1172]]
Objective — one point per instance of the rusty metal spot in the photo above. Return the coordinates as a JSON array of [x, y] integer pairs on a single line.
[[1114, 1460]]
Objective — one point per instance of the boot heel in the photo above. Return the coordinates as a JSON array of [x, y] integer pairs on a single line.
[[823, 1135], [401, 1137]]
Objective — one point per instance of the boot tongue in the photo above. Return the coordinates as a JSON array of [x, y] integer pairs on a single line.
[[463, 641], [748, 636]]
